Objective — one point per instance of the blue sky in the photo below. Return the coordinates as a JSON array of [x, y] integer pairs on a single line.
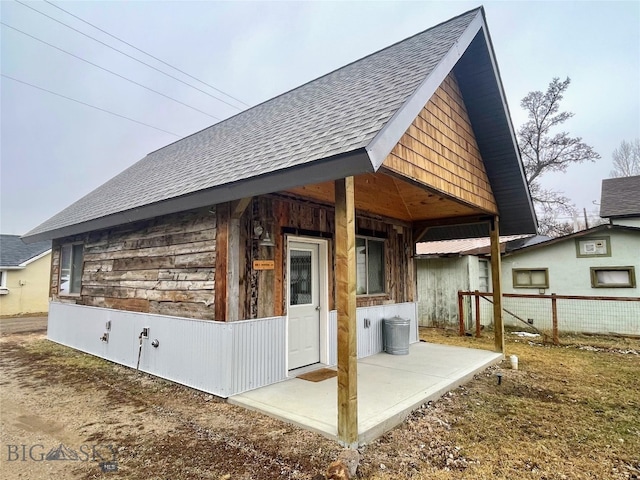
[[54, 151]]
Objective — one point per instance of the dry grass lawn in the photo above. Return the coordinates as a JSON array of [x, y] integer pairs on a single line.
[[569, 412]]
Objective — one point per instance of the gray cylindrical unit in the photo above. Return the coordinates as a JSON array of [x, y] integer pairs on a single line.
[[395, 335]]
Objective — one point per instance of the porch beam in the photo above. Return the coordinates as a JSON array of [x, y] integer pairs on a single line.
[[420, 228], [496, 269], [345, 273]]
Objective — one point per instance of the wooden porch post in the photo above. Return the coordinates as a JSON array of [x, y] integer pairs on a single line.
[[345, 273], [233, 274], [222, 229], [496, 269], [227, 273], [233, 258]]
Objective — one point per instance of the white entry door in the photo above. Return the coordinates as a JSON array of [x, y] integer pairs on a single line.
[[304, 304]]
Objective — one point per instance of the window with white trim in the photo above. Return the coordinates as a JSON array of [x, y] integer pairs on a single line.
[[530, 278], [369, 266], [70, 269], [3, 282], [613, 277]]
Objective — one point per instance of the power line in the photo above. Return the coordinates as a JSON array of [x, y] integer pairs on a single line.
[[107, 70], [89, 105], [147, 53], [125, 54]]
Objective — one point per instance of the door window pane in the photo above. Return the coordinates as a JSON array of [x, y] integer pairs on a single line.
[[300, 282]]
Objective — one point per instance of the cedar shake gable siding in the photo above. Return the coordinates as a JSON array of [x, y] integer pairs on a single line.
[[439, 150]]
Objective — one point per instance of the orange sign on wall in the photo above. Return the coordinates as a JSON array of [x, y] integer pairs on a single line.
[[264, 265]]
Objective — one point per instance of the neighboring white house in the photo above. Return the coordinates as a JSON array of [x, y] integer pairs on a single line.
[[603, 261]]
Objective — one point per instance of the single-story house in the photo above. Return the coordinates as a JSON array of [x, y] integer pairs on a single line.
[[24, 276], [281, 237]]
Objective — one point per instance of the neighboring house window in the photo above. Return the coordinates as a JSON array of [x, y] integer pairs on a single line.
[[530, 278], [483, 280], [3, 282], [369, 266], [70, 269], [593, 247], [613, 277]]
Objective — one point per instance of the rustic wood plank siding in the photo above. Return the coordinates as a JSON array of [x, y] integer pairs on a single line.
[[264, 292], [165, 265], [439, 280], [174, 265], [439, 150]]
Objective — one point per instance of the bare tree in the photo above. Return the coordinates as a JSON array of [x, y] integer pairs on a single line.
[[545, 151], [626, 159]]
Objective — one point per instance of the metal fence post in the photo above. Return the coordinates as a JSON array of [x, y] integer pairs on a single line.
[[461, 313], [554, 314], [477, 295]]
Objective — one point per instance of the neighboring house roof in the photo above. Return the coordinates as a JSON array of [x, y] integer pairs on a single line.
[[597, 229], [620, 197], [15, 253], [475, 246], [344, 123]]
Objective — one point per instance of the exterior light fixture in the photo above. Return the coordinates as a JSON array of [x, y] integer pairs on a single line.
[[266, 241]]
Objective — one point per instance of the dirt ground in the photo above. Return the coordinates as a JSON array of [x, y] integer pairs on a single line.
[[68, 415], [9, 325]]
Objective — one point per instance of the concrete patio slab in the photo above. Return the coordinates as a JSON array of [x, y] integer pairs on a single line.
[[390, 387]]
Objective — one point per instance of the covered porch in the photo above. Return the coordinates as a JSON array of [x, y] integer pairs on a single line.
[[390, 387]]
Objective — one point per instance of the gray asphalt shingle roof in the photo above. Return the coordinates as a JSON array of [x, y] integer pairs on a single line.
[[342, 124], [620, 197], [13, 251], [335, 114]]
